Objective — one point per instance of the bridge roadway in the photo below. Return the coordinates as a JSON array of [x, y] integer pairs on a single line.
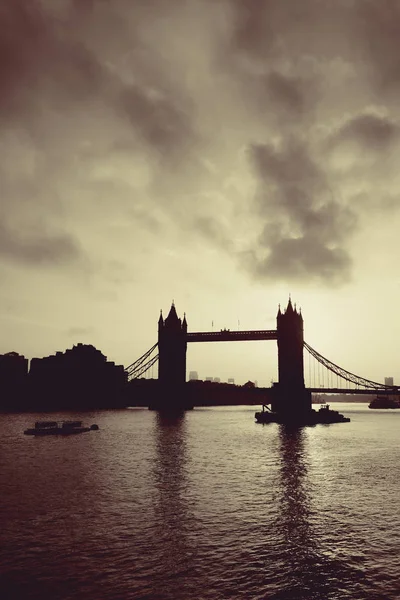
[[225, 335], [326, 390]]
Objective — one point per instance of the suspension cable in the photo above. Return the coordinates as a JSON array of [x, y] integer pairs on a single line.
[[135, 365], [143, 369], [349, 377]]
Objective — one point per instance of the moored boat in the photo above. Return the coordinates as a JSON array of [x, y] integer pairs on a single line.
[[384, 402], [265, 415], [58, 428], [324, 416]]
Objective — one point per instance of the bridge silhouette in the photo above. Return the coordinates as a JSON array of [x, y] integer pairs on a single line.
[[288, 395]]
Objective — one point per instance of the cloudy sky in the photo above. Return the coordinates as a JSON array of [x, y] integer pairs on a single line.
[[221, 153]]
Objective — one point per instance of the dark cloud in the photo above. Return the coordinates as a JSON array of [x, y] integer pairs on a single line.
[[253, 26], [274, 31], [378, 33], [369, 130], [134, 110], [158, 121], [38, 248], [304, 258], [287, 91], [41, 63], [305, 226]]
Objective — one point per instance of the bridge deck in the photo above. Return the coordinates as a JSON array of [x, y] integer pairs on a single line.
[[231, 336], [326, 390]]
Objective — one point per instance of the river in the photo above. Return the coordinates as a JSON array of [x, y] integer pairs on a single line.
[[209, 505]]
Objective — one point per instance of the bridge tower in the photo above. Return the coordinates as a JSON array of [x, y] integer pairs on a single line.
[[172, 346], [291, 396]]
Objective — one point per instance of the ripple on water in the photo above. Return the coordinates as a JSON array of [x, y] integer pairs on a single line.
[[207, 506]]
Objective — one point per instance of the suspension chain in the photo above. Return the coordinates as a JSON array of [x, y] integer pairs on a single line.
[[359, 381]]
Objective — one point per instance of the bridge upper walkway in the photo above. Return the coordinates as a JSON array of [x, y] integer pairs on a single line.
[[226, 335]]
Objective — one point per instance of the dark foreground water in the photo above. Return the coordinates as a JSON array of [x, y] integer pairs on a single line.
[[211, 506]]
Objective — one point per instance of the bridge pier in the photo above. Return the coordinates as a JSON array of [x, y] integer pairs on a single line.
[[172, 346], [291, 404], [291, 399]]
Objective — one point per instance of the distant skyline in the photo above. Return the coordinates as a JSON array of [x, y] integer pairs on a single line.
[[219, 153]]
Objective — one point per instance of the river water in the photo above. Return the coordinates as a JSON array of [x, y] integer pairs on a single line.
[[210, 505]]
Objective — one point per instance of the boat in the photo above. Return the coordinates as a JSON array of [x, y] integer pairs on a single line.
[[59, 428], [324, 416], [265, 415], [384, 402]]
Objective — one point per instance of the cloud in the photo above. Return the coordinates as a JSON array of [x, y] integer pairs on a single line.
[[158, 121], [302, 258], [214, 230], [304, 225], [33, 248], [370, 131], [287, 91], [40, 63], [127, 119], [378, 33], [80, 331]]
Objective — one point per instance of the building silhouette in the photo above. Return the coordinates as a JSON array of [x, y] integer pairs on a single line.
[[193, 376], [13, 380], [13, 367], [389, 381], [80, 377]]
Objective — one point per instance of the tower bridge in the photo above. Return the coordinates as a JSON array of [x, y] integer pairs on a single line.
[[288, 396]]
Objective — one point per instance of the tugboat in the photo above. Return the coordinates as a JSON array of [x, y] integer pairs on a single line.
[[323, 416], [326, 415], [59, 428]]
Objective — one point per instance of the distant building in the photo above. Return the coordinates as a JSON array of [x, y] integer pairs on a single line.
[[217, 380], [209, 378], [193, 376], [249, 384], [13, 380], [13, 366], [231, 380], [389, 381]]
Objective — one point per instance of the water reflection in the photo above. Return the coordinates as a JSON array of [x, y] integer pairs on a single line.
[[295, 500], [299, 546], [175, 521], [307, 570]]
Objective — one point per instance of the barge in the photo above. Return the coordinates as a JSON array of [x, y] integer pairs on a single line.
[[59, 428]]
